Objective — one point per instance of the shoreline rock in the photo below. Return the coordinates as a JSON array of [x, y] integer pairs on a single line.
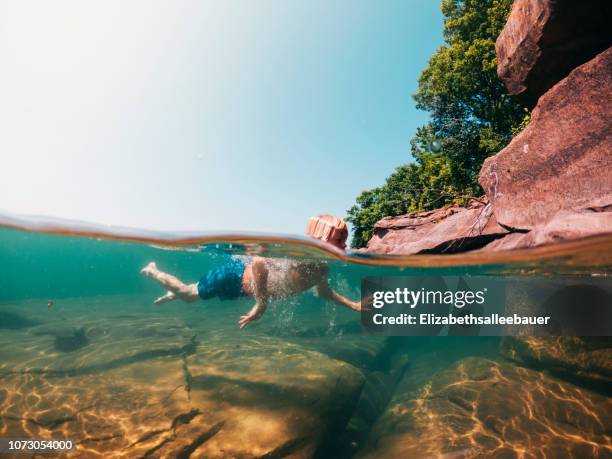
[[563, 227], [543, 40], [562, 160], [450, 229]]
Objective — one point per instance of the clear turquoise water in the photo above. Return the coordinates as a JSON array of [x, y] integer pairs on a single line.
[[85, 355]]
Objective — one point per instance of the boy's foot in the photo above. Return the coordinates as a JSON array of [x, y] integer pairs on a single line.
[[164, 299], [150, 269]]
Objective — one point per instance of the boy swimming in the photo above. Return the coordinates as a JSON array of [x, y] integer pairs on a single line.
[[261, 278]]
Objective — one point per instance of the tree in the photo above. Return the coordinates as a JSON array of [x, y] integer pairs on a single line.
[[410, 188], [471, 117]]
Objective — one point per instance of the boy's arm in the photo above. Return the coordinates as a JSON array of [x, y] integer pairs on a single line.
[[260, 281], [326, 292]]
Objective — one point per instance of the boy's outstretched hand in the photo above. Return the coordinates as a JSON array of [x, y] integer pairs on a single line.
[[255, 313]]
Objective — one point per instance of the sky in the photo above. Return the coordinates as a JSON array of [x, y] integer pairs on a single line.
[[200, 115]]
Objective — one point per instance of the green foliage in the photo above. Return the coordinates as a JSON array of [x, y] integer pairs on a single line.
[[523, 124], [410, 188], [471, 117]]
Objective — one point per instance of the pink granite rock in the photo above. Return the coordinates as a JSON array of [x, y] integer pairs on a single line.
[[543, 40], [447, 230], [563, 159]]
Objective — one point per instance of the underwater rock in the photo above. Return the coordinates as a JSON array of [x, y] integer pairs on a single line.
[[450, 229], [56, 349], [107, 414], [561, 161], [357, 350], [274, 392], [575, 306], [340, 341], [586, 359], [377, 391], [263, 398], [543, 40], [69, 342], [481, 408], [14, 321]]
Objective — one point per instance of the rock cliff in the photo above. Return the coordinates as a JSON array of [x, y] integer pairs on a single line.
[[543, 40]]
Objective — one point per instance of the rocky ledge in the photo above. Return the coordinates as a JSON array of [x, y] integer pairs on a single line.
[[543, 40], [561, 161], [450, 229]]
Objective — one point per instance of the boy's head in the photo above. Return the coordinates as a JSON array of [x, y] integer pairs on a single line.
[[328, 228]]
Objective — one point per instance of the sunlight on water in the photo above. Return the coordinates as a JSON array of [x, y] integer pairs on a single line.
[[86, 356]]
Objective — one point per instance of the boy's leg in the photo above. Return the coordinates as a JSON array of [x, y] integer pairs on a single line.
[[188, 293]]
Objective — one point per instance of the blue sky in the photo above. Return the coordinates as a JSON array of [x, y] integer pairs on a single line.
[[178, 115]]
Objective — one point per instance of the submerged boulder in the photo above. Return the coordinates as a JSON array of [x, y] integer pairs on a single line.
[[561, 161], [450, 229], [71, 341], [277, 395], [481, 408], [578, 358], [235, 396], [543, 40], [13, 320], [92, 344]]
